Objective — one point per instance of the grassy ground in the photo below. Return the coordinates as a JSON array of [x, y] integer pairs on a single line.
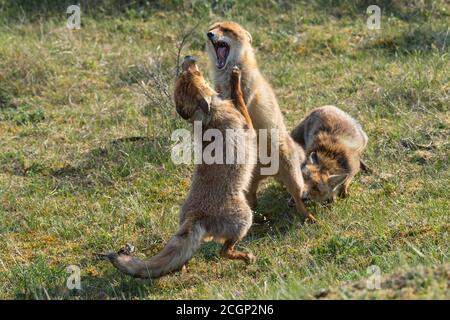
[[85, 151]]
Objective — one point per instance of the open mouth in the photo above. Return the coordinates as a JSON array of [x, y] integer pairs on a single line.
[[222, 51]]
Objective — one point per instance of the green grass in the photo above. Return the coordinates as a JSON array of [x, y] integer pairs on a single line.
[[85, 149]]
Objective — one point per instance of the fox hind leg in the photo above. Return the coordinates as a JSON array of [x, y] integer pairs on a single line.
[[229, 252], [253, 188]]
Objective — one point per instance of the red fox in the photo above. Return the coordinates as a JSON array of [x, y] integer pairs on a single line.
[[216, 207], [228, 44], [334, 143]]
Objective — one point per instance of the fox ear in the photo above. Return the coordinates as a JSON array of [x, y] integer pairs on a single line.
[[250, 38], [204, 104], [336, 180], [312, 159]]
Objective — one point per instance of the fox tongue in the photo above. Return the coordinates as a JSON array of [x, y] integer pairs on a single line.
[[221, 52]]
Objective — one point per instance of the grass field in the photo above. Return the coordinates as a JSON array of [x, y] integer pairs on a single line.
[[85, 146]]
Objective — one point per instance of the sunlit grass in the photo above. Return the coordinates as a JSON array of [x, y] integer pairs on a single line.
[[85, 153]]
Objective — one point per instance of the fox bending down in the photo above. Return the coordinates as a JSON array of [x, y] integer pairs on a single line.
[[216, 206], [333, 142], [228, 44]]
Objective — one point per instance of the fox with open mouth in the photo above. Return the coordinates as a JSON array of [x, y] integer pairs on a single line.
[[228, 44], [221, 40]]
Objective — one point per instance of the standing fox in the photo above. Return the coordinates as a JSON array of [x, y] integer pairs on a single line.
[[216, 207], [333, 142], [228, 44]]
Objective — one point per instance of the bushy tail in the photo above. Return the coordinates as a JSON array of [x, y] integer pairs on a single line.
[[173, 256]]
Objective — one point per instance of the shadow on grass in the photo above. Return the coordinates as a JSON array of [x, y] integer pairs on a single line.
[[273, 216], [112, 285], [117, 160], [100, 166], [41, 280], [115, 285], [414, 40]]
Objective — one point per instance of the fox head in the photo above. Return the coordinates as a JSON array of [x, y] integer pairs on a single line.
[[192, 94], [225, 42], [320, 184]]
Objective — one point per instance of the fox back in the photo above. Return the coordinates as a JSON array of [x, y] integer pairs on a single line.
[[333, 143]]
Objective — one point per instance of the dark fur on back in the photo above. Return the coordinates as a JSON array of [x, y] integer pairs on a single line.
[[331, 155], [333, 143]]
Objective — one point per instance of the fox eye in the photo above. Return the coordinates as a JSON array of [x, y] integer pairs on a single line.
[[306, 172], [322, 187], [226, 30]]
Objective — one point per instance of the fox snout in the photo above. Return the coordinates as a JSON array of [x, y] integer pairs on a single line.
[[189, 63], [215, 37], [190, 59]]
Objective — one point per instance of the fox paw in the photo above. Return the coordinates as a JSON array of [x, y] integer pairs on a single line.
[[236, 72], [127, 249], [310, 219], [250, 258], [291, 203], [111, 255]]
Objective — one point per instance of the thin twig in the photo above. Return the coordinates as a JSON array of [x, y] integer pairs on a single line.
[[184, 38]]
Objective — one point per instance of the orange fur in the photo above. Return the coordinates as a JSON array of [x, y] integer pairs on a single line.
[[229, 44], [216, 207], [333, 142]]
